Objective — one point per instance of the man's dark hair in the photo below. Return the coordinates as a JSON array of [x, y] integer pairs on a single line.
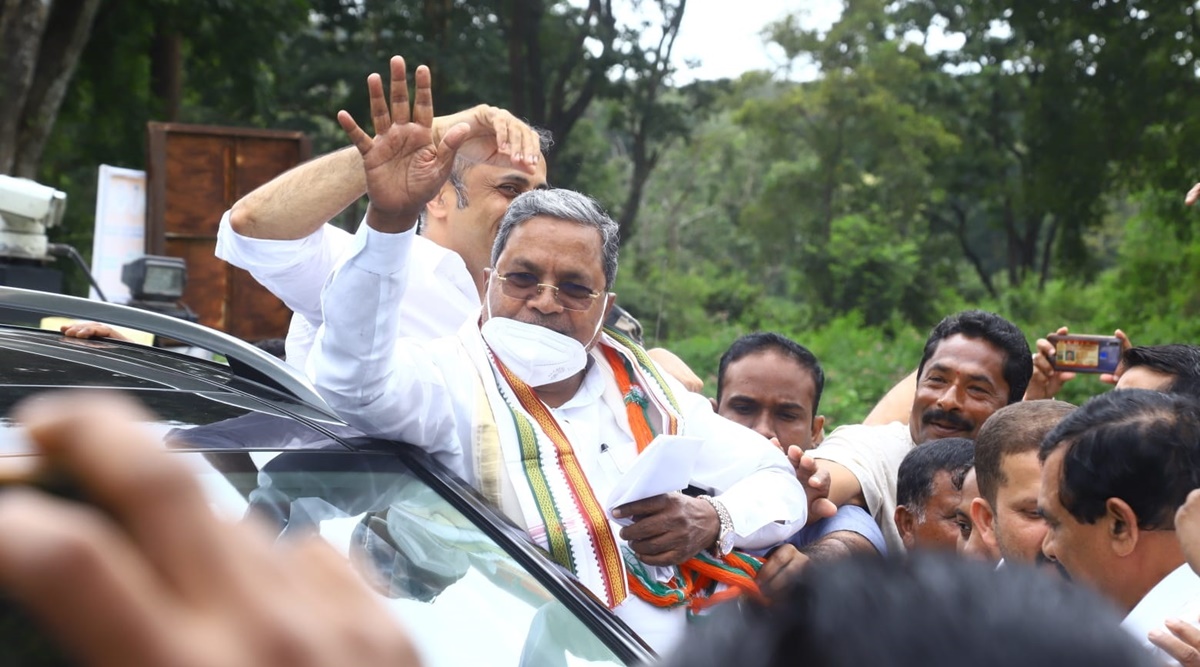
[[1182, 362], [769, 340], [1137, 445], [272, 346], [1018, 361], [929, 610], [914, 483], [1013, 429]]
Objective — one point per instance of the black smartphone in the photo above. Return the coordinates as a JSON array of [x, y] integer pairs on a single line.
[[1081, 353]]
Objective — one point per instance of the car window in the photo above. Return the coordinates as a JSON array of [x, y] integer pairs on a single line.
[[462, 597], [207, 421]]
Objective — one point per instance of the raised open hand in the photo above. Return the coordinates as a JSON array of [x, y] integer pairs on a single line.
[[404, 167], [816, 483]]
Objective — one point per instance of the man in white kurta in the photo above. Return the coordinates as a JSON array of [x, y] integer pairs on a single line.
[[428, 394], [453, 396], [280, 232], [443, 296]]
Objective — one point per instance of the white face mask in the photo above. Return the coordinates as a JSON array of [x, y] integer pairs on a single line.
[[537, 355]]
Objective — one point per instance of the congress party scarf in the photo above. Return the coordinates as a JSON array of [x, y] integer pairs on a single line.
[[561, 512]]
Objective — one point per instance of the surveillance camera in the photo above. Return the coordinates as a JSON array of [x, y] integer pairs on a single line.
[[27, 210]]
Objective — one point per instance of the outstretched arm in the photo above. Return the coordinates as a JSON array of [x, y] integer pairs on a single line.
[[896, 405], [377, 385], [295, 204]]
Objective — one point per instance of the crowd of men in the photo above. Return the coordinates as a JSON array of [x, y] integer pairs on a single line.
[[467, 316]]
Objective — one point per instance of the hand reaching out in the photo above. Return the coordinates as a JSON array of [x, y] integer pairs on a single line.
[[91, 330], [779, 572], [404, 167], [146, 574], [1046, 382], [1180, 638], [816, 484], [494, 137]]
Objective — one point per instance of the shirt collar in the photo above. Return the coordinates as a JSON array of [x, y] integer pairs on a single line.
[[1166, 600], [590, 389]]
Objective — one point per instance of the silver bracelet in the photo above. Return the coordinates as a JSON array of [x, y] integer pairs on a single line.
[[724, 542]]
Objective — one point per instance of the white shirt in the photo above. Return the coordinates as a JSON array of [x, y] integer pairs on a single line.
[[426, 393], [441, 296], [873, 455], [1176, 596]]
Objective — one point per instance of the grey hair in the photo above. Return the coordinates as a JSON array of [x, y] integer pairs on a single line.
[[564, 205]]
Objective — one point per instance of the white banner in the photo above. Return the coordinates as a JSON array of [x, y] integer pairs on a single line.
[[120, 232]]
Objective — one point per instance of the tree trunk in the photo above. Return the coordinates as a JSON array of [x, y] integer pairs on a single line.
[[58, 47], [646, 109], [166, 71], [517, 38], [557, 113], [1047, 254], [436, 14], [976, 261], [642, 166], [22, 24]]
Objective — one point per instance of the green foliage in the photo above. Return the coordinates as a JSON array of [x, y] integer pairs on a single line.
[[1036, 171], [861, 363], [853, 212]]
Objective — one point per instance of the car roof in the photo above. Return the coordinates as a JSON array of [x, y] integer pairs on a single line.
[[245, 360], [182, 390]]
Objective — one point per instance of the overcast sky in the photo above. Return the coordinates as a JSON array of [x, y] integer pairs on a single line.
[[724, 34]]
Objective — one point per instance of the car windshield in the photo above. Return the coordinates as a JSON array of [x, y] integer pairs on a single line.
[[461, 596]]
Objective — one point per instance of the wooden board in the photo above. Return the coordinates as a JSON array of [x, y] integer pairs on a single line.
[[195, 173]]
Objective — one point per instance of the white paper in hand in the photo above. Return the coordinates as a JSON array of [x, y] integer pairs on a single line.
[[664, 466]]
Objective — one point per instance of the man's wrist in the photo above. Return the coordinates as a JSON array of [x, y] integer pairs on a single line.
[[723, 544], [389, 222]]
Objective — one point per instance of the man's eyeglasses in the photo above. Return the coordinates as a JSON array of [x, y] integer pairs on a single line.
[[525, 286]]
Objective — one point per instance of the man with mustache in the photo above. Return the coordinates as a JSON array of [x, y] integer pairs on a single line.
[[974, 363]]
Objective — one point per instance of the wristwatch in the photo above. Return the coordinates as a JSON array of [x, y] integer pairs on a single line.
[[724, 543]]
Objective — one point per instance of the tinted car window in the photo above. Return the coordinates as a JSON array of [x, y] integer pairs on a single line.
[[462, 597]]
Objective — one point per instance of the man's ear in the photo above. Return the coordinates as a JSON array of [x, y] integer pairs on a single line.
[[436, 208], [610, 299], [713, 401], [1123, 531], [906, 524], [818, 430], [984, 520]]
